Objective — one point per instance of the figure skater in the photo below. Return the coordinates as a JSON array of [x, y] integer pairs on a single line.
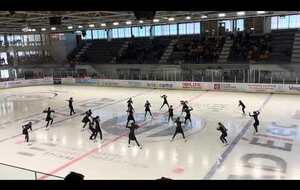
[[49, 116], [243, 106], [97, 129], [147, 109], [178, 129], [71, 106], [165, 101], [223, 131], [131, 135], [25, 130], [86, 118], [256, 121]]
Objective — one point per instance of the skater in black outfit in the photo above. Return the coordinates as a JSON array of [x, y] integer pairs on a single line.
[[129, 104], [147, 109], [49, 117], [178, 129], [130, 116], [224, 133], [188, 115], [86, 118], [256, 121], [243, 106], [184, 105], [97, 129], [131, 135], [165, 101], [71, 106], [170, 113], [25, 130]]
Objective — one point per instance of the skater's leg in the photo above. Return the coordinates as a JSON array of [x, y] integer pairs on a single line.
[[255, 127], [150, 114], [100, 134], [174, 135], [51, 121], [91, 137], [161, 106], [221, 138], [137, 142], [183, 135]]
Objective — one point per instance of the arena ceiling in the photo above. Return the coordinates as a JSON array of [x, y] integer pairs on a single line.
[[34, 21]]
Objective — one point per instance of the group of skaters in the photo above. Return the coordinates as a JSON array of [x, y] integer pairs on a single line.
[[94, 122], [133, 126]]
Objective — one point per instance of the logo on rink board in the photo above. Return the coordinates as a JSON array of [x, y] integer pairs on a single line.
[[191, 85], [157, 129]]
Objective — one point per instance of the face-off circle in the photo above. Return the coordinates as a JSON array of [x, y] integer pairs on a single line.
[[152, 130]]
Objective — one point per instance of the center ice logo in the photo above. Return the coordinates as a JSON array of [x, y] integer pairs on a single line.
[[157, 129]]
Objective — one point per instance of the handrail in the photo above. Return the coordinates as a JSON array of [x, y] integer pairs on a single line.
[[34, 171]]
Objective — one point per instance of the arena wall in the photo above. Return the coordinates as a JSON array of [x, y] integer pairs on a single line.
[[176, 85]]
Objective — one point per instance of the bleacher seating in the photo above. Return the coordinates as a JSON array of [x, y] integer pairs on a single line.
[[102, 51], [282, 45], [144, 50], [197, 49], [257, 48]]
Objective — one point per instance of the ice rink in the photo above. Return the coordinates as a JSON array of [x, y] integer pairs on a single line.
[[272, 153]]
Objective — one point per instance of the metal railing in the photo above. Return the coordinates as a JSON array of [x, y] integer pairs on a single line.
[[203, 76], [10, 172]]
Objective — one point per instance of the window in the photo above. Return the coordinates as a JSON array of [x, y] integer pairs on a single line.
[[274, 22], [127, 32], [173, 29], [88, 35], [165, 30], [182, 28], [115, 33], [158, 30], [285, 22], [3, 58], [228, 25], [121, 32], [141, 31], [4, 74], [239, 24], [189, 28], [197, 28]]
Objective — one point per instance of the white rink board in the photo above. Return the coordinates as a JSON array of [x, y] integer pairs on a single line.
[[187, 85]]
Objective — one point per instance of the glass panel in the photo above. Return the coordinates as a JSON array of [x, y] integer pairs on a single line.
[[147, 32], [190, 28], [274, 22], [283, 22], [95, 34], [240, 25], [157, 30], [115, 33], [197, 28], [182, 28], [127, 32], [173, 29], [165, 30]]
